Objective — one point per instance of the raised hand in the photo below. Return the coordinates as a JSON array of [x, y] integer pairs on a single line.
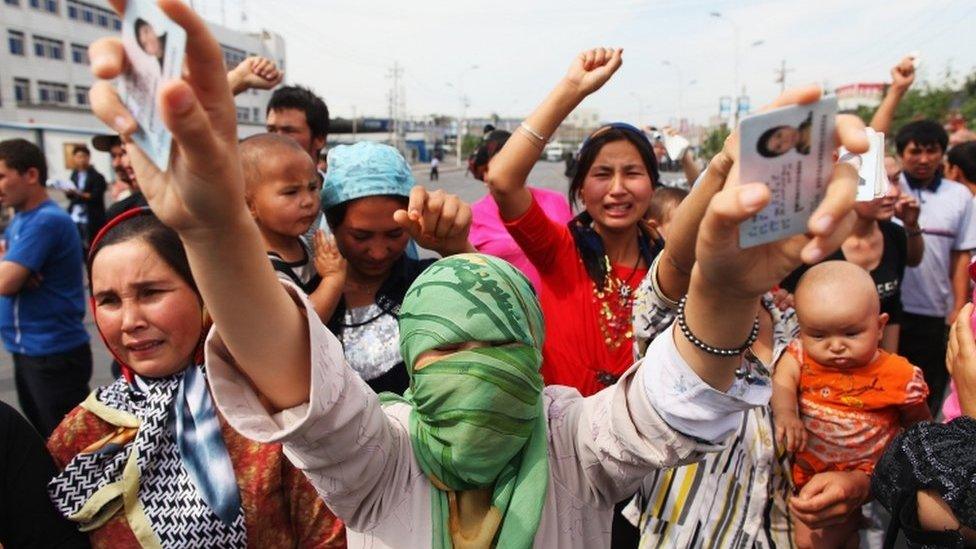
[[903, 74], [200, 194], [437, 221], [255, 72], [202, 187], [748, 273], [329, 262], [591, 69]]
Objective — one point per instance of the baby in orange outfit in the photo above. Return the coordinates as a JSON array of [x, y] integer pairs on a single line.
[[838, 400]]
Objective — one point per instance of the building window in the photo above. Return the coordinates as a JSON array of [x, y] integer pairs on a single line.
[[50, 6], [52, 93], [243, 114], [16, 41], [12, 2], [255, 114], [22, 90], [81, 96], [91, 14], [79, 54], [49, 48], [232, 56]]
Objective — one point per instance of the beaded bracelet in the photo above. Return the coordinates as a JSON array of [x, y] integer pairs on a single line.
[[683, 326]]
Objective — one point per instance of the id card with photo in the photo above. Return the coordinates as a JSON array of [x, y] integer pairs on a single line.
[[872, 182], [791, 150], [154, 46]]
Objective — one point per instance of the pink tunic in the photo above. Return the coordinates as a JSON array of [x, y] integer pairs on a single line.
[[489, 235]]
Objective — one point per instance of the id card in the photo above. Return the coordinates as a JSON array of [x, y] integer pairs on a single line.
[[872, 182], [791, 150], [154, 46], [676, 146]]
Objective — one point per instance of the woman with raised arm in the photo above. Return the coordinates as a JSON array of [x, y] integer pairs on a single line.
[[591, 266], [147, 460], [477, 453]]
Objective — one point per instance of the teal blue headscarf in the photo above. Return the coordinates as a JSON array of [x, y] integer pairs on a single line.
[[365, 169]]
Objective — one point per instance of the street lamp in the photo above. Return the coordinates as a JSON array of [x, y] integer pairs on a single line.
[[462, 127], [735, 83], [735, 45], [640, 109], [681, 85]]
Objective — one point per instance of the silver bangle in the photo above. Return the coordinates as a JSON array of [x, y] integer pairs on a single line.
[[683, 326], [528, 129]]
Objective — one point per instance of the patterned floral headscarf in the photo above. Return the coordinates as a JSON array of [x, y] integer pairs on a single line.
[[477, 419]]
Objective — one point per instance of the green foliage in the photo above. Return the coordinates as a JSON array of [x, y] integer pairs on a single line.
[[933, 102], [469, 144], [714, 142]]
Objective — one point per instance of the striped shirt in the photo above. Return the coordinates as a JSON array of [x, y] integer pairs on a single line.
[[734, 498]]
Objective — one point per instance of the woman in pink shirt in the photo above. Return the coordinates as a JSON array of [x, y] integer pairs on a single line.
[[488, 233]]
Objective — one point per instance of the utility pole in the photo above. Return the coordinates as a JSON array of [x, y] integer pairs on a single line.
[[781, 75], [395, 74]]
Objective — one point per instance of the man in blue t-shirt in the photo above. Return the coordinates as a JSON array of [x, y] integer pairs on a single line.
[[43, 297]]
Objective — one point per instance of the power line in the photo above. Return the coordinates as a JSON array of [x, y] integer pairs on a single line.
[[781, 76]]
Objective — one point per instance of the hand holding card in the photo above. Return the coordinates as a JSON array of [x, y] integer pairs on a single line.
[[202, 187], [751, 271], [791, 149]]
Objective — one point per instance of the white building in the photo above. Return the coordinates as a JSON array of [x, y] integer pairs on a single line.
[[860, 94], [45, 78]]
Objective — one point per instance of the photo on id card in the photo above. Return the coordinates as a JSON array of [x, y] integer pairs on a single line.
[[791, 151], [154, 46]]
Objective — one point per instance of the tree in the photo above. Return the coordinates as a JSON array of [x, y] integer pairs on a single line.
[[714, 142], [933, 102]]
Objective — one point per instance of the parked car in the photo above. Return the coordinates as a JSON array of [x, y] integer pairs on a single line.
[[554, 152]]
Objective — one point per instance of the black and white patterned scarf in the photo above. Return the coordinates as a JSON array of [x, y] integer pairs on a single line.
[[163, 497]]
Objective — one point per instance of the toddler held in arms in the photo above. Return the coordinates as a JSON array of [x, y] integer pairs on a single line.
[[838, 399], [282, 193]]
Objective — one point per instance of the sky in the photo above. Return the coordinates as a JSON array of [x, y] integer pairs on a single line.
[[505, 55]]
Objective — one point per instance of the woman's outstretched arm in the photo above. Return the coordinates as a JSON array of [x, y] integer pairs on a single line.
[[509, 169]]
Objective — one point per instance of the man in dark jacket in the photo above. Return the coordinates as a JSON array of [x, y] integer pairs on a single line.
[[87, 204]]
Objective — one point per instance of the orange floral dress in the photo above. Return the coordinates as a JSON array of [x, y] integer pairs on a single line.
[[851, 415], [281, 508]]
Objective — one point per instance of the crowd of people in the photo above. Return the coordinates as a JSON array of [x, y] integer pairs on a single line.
[[290, 372]]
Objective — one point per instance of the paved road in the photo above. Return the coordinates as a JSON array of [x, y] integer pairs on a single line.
[[545, 174]]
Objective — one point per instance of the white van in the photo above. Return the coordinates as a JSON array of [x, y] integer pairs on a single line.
[[553, 152]]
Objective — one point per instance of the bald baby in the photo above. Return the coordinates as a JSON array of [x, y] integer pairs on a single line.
[[269, 157], [838, 309]]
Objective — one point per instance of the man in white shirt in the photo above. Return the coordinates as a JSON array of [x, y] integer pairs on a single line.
[[935, 290]]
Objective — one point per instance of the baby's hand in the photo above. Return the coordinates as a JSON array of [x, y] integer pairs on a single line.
[[329, 263], [791, 428]]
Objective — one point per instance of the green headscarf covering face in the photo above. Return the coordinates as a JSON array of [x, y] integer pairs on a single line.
[[477, 418]]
